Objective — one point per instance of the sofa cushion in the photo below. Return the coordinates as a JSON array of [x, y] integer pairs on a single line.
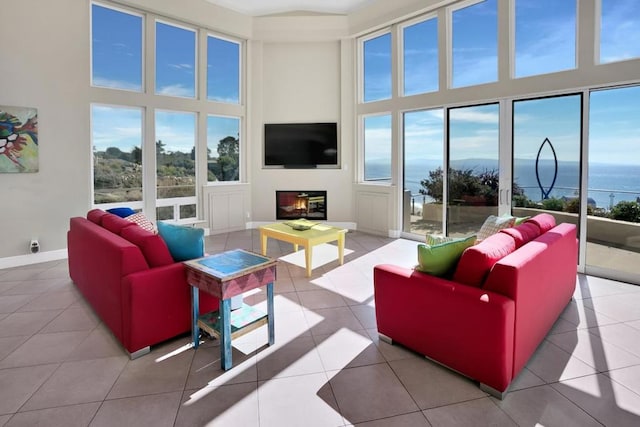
[[184, 242], [544, 221], [493, 224], [142, 221], [121, 212], [440, 259], [96, 215], [523, 233], [153, 247], [114, 223], [476, 261]]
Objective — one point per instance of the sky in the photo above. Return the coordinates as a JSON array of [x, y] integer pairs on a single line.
[[544, 43], [117, 63]]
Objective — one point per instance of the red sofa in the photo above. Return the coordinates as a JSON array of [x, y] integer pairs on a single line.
[[130, 279], [487, 320]]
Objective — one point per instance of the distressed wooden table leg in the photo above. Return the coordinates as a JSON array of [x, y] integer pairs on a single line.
[[341, 248], [225, 334], [195, 309], [270, 314], [308, 253]]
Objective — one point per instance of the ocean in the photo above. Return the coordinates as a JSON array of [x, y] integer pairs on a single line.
[[605, 180]]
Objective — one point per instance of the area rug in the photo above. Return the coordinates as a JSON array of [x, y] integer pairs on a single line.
[[322, 254]]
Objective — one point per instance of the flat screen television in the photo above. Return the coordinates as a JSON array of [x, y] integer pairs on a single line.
[[301, 145]]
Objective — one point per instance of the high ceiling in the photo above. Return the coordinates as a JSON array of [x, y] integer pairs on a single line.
[[270, 7]]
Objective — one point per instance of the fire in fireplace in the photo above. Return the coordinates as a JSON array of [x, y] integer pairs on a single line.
[[301, 204]]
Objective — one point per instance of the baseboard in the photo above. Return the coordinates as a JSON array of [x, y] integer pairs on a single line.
[[17, 261], [347, 225]]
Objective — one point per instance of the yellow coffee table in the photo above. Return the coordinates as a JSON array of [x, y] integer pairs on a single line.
[[314, 235]]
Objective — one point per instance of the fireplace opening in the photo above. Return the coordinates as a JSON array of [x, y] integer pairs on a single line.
[[301, 204]]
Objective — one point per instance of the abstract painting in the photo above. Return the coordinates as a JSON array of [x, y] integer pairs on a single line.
[[18, 139]]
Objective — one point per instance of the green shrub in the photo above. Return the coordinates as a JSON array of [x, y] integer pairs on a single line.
[[573, 206], [626, 211], [553, 204]]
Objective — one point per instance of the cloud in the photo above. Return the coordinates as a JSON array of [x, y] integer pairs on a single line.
[[117, 84], [176, 90]]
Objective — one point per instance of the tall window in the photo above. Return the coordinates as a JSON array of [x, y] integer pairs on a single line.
[[116, 56], [223, 148], [420, 55], [176, 161], [619, 30], [117, 154], [175, 61], [377, 68], [545, 36], [423, 170], [475, 43], [377, 148], [223, 70]]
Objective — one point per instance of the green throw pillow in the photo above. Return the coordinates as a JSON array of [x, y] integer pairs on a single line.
[[184, 243], [438, 260], [521, 219]]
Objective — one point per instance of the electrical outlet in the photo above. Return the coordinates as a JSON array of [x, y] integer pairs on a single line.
[[34, 246]]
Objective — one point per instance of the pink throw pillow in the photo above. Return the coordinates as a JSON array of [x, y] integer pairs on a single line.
[[477, 261], [114, 223], [95, 216], [544, 221], [523, 233], [153, 247]]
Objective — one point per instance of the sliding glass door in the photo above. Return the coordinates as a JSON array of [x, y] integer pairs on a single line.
[[547, 141], [613, 212], [473, 167]]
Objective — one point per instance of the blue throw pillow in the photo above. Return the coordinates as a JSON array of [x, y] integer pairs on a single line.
[[184, 243], [121, 212]]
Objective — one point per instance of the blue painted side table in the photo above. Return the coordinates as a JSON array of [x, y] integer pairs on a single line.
[[224, 276]]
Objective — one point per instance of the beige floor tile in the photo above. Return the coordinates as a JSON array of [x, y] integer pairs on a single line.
[[366, 315], [206, 370], [305, 400], [6, 287], [583, 316], [414, 419], [99, 343], [543, 406], [432, 385], [153, 411], [18, 384], [620, 335], [591, 287], [50, 301], [84, 381], [71, 319], [370, 392], [621, 307], [478, 412], [44, 348], [391, 351], [8, 344], [4, 419], [327, 320], [628, 377], [604, 399], [593, 350], [551, 363], [229, 405], [66, 416], [160, 371], [297, 357], [11, 303], [28, 323], [346, 348], [312, 300], [525, 379]]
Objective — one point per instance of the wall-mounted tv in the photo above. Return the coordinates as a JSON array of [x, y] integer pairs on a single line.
[[301, 145]]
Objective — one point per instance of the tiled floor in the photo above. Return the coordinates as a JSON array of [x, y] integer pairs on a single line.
[[59, 366]]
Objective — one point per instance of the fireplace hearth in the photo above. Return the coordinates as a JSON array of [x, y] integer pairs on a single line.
[[311, 205]]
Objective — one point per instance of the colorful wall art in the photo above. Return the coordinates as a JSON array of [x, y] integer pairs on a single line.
[[18, 139]]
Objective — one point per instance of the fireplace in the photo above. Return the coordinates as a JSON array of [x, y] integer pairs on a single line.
[[301, 204]]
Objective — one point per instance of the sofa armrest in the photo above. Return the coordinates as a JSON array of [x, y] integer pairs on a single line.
[[157, 305], [465, 328]]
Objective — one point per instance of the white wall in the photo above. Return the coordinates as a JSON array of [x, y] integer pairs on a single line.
[[45, 64], [300, 82]]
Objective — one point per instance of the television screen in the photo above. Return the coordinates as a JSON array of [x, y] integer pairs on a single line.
[[300, 145]]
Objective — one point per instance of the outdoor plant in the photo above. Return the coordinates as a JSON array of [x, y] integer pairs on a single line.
[[626, 211], [553, 204]]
